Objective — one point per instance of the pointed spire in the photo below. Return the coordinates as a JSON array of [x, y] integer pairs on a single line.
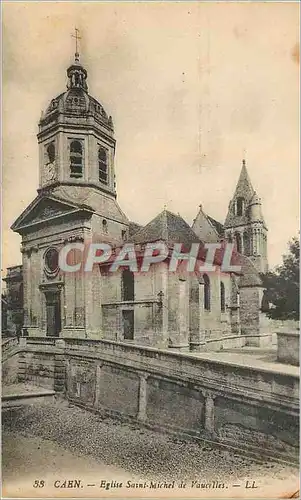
[[244, 191], [244, 186]]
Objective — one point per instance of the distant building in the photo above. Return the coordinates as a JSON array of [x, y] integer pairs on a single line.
[[77, 202], [12, 302]]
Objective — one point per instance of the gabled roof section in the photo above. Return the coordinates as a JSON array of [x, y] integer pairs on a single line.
[[217, 225], [134, 228], [167, 227], [206, 228], [44, 208], [245, 190]]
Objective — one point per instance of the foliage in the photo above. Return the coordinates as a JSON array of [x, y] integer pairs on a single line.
[[283, 286]]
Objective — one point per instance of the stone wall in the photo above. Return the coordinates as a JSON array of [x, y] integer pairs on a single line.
[[37, 368], [10, 360], [288, 347], [148, 313], [184, 393], [250, 304], [10, 369]]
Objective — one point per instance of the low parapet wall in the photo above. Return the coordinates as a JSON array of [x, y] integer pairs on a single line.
[[288, 345], [244, 406]]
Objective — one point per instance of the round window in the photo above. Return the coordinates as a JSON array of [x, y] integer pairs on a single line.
[[52, 260]]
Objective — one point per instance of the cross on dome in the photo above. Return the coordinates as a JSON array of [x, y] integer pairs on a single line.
[[77, 38]]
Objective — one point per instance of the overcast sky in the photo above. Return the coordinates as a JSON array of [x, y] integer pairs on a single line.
[[190, 86]]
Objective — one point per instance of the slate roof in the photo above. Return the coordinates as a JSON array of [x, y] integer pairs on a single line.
[[134, 228], [218, 226], [168, 227]]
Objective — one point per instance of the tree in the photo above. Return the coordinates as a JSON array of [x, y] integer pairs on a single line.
[[282, 286]]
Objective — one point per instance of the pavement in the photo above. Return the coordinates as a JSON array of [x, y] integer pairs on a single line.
[[251, 357], [59, 441]]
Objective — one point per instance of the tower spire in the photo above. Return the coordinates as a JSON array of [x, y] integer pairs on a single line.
[[245, 223]]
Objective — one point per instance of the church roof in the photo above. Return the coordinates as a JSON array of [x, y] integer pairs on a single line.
[[46, 207], [168, 227], [76, 103], [134, 228], [206, 228], [217, 225]]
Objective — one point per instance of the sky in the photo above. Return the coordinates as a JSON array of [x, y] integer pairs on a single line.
[[192, 89]]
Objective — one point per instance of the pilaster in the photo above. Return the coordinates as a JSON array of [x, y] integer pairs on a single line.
[[142, 402], [60, 367], [209, 412]]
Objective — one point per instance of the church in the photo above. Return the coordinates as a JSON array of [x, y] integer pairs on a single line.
[[77, 202]]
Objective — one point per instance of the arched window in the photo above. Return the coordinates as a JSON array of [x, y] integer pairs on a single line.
[[238, 242], [246, 240], [223, 297], [229, 237], [76, 159], [240, 205], [206, 292], [50, 153], [102, 165], [127, 285], [104, 226]]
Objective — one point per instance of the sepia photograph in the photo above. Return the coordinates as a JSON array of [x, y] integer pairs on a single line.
[[150, 249]]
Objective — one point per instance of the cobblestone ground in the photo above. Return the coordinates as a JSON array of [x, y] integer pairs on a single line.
[[126, 448]]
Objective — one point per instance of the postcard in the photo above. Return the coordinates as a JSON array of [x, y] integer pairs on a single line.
[[150, 264]]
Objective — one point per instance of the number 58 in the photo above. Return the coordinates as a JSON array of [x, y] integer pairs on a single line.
[[39, 483]]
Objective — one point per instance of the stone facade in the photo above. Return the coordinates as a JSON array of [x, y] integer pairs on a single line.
[[77, 203]]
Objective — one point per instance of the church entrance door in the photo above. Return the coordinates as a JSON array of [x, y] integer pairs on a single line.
[[53, 309]]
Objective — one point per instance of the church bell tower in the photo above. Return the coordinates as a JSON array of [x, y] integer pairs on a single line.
[[245, 224], [76, 139], [76, 203]]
